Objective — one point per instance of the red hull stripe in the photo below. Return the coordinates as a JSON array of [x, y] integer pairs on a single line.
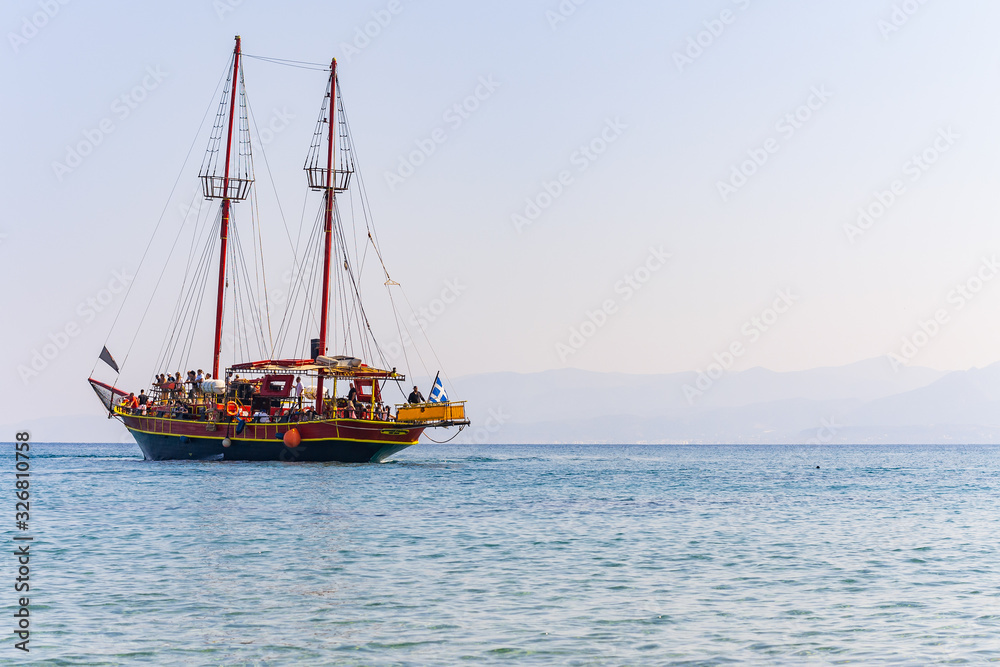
[[385, 432]]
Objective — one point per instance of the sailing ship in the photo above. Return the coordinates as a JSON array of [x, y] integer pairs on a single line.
[[261, 410]]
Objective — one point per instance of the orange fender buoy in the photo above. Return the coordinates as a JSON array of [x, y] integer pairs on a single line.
[[292, 438]]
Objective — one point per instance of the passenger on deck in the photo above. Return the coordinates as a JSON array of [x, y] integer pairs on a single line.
[[142, 399], [298, 390], [261, 417], [415, 396]]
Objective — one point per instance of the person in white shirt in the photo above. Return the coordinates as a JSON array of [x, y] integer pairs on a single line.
[[298, 390]]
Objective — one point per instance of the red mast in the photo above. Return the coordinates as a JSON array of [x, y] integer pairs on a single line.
[[327, 228], [224, 234]]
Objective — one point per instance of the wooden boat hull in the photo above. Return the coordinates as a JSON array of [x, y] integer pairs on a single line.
[[344, 441]]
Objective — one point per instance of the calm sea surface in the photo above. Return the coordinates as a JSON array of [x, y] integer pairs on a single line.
[[527, 555]]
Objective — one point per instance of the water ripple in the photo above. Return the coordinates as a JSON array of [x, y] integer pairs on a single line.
[[571, 555]]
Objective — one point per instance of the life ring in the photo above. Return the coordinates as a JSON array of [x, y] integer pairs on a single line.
[[232, 408]]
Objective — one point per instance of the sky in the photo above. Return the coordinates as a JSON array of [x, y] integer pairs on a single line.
[[641, 187]]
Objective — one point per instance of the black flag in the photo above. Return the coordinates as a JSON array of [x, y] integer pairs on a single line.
[[108, 359]]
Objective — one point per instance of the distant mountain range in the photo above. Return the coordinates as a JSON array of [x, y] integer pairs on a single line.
[[865, 402]]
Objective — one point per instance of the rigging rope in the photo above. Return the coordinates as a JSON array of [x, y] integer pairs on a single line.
[[166, 204], [260, 240], [301, 64], [444, 442], [199, 224], [373, 238]]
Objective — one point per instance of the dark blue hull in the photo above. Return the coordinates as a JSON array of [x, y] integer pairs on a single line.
[[157, 447]]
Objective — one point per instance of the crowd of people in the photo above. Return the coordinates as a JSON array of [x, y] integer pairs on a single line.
[[171, 386], [185, 399]]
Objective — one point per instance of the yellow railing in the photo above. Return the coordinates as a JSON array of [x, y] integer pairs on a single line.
[[430, 412]]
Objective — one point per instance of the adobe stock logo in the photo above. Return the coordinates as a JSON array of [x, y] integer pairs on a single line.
[[698, 44], [30, 26], [224, 7], [787, 126], [826, 432], [958, 298], [753, 329], [582, 158], [627, 287], [122, 107], [913, 169], [494, 422], [363, 35], [86, 312], [562, 12], [900, 16], [455, 116], [426, 315]]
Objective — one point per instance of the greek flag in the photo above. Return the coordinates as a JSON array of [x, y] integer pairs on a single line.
[[438, 394]]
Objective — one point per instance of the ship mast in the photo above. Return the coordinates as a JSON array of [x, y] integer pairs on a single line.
[[224, 232], [327, 227]]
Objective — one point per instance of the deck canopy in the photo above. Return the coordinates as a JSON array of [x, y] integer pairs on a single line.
[[310, 366]]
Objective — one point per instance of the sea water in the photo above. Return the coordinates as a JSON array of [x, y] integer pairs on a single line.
[[520, 555]]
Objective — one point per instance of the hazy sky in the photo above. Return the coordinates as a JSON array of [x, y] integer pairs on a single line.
[[635, 184]]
